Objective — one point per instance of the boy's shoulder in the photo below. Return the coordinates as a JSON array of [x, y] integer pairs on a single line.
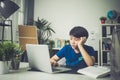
[[67, 46], [87, 46]]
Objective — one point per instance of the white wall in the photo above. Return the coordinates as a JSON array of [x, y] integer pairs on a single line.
[[65, 14]]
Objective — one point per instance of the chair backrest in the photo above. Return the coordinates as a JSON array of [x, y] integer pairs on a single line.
[[27, 35]]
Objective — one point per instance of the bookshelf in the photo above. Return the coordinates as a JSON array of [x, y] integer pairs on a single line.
[[106, 38]]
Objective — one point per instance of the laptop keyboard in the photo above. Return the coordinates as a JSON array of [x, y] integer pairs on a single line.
[[56, 69], [60, 68]]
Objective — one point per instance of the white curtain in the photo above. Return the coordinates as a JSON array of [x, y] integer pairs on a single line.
[[17, 19]]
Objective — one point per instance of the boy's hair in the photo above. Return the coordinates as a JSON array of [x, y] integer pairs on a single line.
[[78, 32]]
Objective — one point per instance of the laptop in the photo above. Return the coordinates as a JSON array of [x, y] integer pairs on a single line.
[[39, 59]]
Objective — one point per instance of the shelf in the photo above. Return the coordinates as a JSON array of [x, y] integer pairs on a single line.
[[108, 37], [111, 24], [56, 48], [106, 40], [106, 50]]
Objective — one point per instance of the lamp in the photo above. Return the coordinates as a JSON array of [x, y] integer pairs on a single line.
[[7, 8]]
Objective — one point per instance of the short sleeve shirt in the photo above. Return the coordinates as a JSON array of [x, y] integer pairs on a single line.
[[73, 59]]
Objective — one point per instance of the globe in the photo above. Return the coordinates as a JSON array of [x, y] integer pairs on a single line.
[[112, 14]]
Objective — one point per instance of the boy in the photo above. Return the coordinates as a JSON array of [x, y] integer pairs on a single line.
[[77, 54]]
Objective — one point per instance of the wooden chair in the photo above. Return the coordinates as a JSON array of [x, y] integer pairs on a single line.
[[27, 35]]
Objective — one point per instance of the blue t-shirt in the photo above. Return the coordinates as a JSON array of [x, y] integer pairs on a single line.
[[74, 60]]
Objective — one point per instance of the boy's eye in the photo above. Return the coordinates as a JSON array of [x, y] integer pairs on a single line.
[[77, 39], [74, 38]]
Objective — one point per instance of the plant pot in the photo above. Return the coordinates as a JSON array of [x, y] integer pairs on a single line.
[[4, 68], [102, 21], [15, 64]]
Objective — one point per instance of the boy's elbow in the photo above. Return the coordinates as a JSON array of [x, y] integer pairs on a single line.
[[91, 63]]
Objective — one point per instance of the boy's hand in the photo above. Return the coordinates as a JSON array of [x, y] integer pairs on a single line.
[[82, 40], [54, 60], [54, 63]]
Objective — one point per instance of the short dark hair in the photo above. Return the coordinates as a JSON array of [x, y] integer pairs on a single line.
[[78, 32]]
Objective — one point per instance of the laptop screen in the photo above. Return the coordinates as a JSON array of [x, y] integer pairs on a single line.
[[38, 57]]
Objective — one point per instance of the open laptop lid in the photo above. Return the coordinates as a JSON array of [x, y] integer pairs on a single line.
[[39, 57]]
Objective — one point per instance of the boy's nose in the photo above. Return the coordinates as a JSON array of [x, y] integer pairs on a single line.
[[72, 41]]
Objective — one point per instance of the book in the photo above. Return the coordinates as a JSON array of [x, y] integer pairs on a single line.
[[95, 71]]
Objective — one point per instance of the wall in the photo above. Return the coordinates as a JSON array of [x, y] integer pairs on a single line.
[[65, 14]]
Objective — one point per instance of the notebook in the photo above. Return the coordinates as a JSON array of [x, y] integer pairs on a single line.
[[39, 59], [95, 71]]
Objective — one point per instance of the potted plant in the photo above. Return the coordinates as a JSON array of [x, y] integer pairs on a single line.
[[44, 30], [103, 19], [51, 43], [16, 58], [8, 52], [3, 61]]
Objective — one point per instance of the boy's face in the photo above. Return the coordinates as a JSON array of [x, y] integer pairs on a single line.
[[74, 42]]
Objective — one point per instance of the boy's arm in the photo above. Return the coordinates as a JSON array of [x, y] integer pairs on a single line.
[[54, 60], [90, 60]]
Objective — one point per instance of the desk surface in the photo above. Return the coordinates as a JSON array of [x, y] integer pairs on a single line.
[[24, 74]]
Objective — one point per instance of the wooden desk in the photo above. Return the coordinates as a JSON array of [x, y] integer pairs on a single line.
[[24, 74]]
